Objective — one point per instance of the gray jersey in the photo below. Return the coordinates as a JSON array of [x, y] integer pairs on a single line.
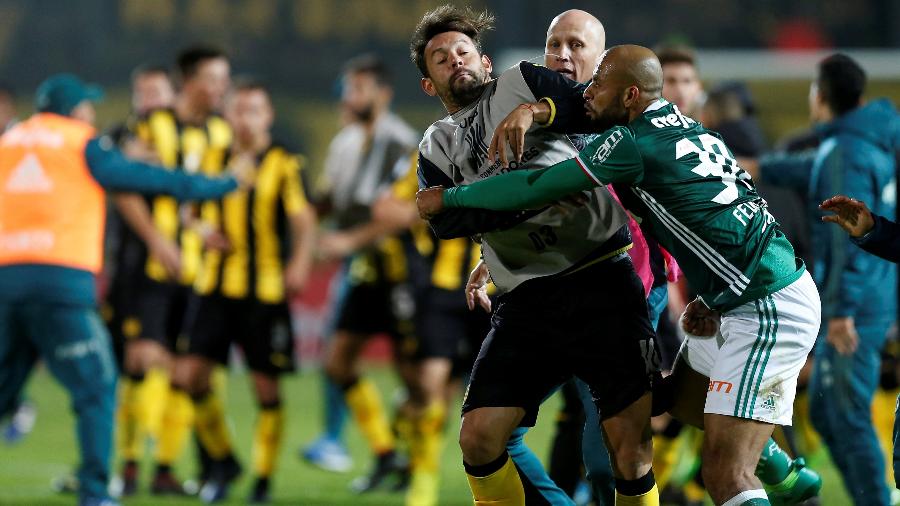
[[358, 168], [454, 152]]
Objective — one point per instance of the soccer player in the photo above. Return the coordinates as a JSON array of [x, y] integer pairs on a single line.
[[362, 161], [52, 204], [703, 208], [549, 263], [189, 135], [151, 89], [258, 254]]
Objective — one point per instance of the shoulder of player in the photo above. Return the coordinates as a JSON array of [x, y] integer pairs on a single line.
[[434, 144], [286, 153]]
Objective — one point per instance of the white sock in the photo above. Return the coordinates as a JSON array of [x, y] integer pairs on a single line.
[[746, 496]]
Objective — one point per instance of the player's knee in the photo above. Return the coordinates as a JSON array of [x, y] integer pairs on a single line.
[[633, 459], [479, 444]]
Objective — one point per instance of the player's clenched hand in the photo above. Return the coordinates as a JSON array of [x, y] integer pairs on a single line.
[[511, 132], [430, 201], [842, 335], [699, 320], [476, 288], [850, 214], [296, 275]]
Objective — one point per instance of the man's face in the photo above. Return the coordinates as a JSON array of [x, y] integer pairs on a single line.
[[250, 114], [84, 111], [208, 86], [572, 49], [362, 96], [151, 91], [456, 71], [603, 101], [681, 85]]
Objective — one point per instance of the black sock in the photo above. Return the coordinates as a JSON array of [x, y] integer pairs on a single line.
[[639, 486], [487, 469]]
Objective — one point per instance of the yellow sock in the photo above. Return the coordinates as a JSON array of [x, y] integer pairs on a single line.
[[883, 405], [665, 456], [425, 455], [500, 488], [209, 422], [177, 418], [809, 440], [365, 403], [129, 436], [154, 396], [428, 437], [267, 440], [648, 498]]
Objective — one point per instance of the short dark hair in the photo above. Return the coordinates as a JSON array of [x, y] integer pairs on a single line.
[[369, 64], [146, 69], [841, 82], [676, 54], [447, 18], [190, 59], [250, 83]]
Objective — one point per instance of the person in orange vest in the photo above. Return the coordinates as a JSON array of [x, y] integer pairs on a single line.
[[53, 173]]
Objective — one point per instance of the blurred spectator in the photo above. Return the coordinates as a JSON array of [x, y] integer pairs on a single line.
[[859, 292], [681, 79]]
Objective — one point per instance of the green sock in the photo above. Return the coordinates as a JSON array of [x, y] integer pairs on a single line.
[[774, 464]]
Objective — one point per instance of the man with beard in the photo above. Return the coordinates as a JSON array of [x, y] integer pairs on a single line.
[[554, 266], [755, 297], [362, 161]]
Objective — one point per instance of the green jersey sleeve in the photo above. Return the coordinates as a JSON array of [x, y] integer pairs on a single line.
[[613, 157]]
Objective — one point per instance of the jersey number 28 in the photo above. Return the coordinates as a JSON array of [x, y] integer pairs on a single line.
[[716, 161]]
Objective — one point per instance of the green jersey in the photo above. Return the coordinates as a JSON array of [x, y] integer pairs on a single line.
[[685, 187]]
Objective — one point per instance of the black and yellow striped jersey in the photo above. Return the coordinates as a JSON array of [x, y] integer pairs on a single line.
[[180, 146], [255, 221], [450, 260]]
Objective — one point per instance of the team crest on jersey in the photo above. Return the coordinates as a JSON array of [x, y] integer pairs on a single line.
[[607, 147]]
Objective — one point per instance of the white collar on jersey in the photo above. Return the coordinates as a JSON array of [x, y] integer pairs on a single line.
[[659, 104]]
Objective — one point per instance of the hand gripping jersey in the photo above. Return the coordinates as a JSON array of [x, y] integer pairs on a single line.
[[686, 186], [517, 247]]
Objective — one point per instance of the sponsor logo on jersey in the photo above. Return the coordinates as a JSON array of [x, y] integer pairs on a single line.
[[607, 147], [719, 386], [29, 177]]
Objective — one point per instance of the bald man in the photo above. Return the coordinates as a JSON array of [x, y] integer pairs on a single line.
[[575, 41], [758, 312]]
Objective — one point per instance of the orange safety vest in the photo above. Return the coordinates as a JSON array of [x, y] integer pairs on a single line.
[[52, 211]]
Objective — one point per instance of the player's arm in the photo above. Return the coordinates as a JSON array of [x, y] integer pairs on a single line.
[[303, 223], [788, 170], [874, 234], [559, 100], [462, 222], [611, 158], [116, 173]]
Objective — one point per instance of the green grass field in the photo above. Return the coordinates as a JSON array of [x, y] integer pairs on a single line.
[[27, 468]]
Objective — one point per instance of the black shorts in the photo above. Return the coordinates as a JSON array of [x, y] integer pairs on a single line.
[[592, 323], [263, 332], [158, 311], [445, 328], [379, 307]]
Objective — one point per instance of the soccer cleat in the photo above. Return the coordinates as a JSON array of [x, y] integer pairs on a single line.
[[801, 484], [129, 479], [164, 483], [224, 473], [260, 492], [20, 423], [67, 484], [328, 454], [387, 466]]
